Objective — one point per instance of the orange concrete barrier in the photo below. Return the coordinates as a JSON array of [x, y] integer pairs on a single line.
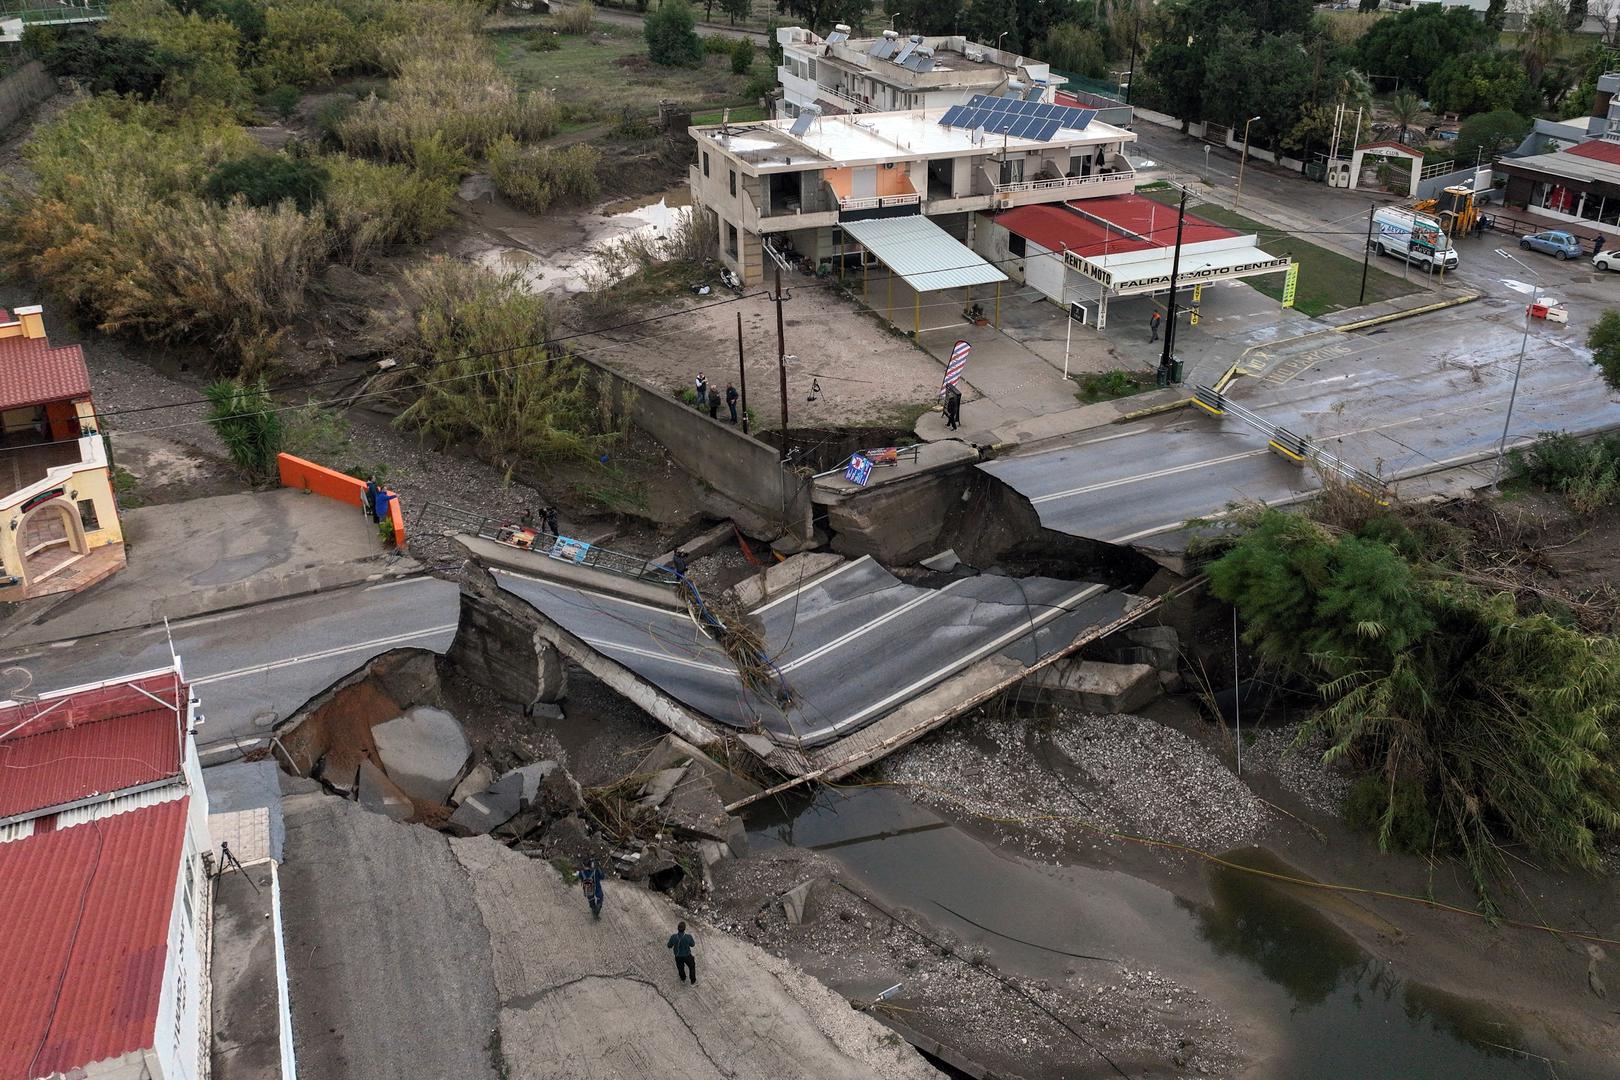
[[318, 479]]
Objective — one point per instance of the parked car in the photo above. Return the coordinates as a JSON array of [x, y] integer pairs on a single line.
[[1606, 260], [1554, 242]]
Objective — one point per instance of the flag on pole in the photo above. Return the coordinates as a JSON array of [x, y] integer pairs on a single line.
[[953, 370]]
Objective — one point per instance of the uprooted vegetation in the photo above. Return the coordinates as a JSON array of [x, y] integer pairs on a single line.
[[1479, 702]]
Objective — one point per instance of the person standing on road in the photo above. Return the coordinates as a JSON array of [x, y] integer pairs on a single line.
[[590, 879], [1153, 326], [731, 401], [1597, 245], [702, 386], [714, 405], [681, 942]]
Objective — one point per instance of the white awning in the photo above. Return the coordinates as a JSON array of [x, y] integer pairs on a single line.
[[922, 253], [1129, 273]]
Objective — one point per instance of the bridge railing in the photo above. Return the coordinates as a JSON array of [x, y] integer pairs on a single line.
[[1295, 447], [46, 11]]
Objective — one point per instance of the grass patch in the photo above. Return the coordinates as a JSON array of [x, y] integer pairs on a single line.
[[125, 489], [1328, 281], [1113, 384], [608, 74]]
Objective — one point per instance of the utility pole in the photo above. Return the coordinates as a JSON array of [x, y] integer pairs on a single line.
[[742, 375], [1166, 359], [781, 359], [1366, 256]]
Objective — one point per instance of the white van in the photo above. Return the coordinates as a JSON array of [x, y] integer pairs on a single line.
[[1417, 238]]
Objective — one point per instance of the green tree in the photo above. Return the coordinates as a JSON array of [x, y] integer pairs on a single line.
[[1496, 15], [1486, 135], [1415, 44], [1604, 341], [1482, 82], [515, 402], [107, 63], [244, 417], [1072, 48], [1543, 36], [1499, 721], [1404, 109], [672, 36], [738, 9], [268, 180], [822, 15], [926, 17], [1576, 16], [986, 20], [1366, 6], [742, 57]]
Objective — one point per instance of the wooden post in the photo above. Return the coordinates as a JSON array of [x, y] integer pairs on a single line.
[[998, 305], [919, 310]]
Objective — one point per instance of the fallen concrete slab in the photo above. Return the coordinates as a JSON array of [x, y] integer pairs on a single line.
[[424, 750], [1094, 686], [381, 795], [417, 955], [794, 572]]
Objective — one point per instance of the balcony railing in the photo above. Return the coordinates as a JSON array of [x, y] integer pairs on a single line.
[[873, 202], [1064, 182]]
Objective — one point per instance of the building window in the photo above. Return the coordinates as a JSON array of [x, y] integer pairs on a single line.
[[1015, 245], [87, 515], [733, 182], [811, 70], [731, 240], [705, 163]]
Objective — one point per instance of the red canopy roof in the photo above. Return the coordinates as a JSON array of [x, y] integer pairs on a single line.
[[33, 372], [1597, 150], [91, 742], [87, 914], [1116, 223]]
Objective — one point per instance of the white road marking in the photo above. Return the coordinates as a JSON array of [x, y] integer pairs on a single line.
[[1139, 477], [615, 646], [326, 654], [822, 580], [1063, 607]]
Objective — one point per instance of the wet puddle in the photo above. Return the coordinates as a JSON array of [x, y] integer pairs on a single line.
[[1325, 1008], [573, 270]]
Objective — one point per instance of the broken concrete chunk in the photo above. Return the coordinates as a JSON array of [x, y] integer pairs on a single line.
[[784, 577], [945, 561], [656, 790], [424, 752], [381, 795], [1093, 685], [796, 900], [759, 744], [485, 811], [545, 710], [476, 780], [1162, 641]]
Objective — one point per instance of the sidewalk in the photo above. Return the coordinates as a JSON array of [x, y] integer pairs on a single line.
[[212, 554]]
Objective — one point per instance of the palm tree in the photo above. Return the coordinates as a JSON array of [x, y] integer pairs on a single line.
[[1404, 109]]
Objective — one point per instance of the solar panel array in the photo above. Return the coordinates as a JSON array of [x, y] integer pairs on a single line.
[[1019, 119]]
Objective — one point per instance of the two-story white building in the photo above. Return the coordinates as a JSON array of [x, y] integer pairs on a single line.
[[840, 74], [103, 832], [796, 184]]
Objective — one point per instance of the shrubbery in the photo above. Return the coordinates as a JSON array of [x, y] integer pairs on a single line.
[[1585, 471], [490, 380], [575, 20], [371, 206], [671, 35], [455, 92], [268, 180], [106, 63], [537, 179]]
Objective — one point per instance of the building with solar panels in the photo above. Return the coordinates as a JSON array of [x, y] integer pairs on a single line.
[[791, 187], [840, 74]]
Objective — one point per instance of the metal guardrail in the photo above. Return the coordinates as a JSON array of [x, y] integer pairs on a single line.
[[1291, 445], [1065, 182]]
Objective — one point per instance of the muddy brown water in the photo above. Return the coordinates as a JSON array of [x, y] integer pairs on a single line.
[[1305, 998]]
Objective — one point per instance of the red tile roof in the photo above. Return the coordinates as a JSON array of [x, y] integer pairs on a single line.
[[1134, 223], [1597, 150], [91, 742], [33, 372], [87, 913]]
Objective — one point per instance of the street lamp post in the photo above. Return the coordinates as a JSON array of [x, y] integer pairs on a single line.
[[1518, 368], [998, 39], [1242, 161]]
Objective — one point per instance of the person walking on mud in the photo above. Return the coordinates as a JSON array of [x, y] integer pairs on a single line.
[[590, 879], [681, 943]]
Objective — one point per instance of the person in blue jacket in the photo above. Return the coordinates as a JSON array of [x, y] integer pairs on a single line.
[[590, 878], [380, 501], [681, 943]]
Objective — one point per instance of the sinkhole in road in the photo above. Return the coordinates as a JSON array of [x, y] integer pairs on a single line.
[[1315, 1002]]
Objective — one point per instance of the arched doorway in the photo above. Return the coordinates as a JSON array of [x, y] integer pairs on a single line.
[[50, 537]]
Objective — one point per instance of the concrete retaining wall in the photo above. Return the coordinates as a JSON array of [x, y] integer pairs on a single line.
[[22, 90], [509, 657], [898, 523], [741, 468]]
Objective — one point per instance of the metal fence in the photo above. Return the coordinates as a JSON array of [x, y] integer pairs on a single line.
[[534, 537], [1295, 447]]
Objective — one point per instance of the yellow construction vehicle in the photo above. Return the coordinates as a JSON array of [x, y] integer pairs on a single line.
[[1455, 208]]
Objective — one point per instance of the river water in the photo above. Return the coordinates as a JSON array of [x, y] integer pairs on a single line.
[[1305, 999]]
